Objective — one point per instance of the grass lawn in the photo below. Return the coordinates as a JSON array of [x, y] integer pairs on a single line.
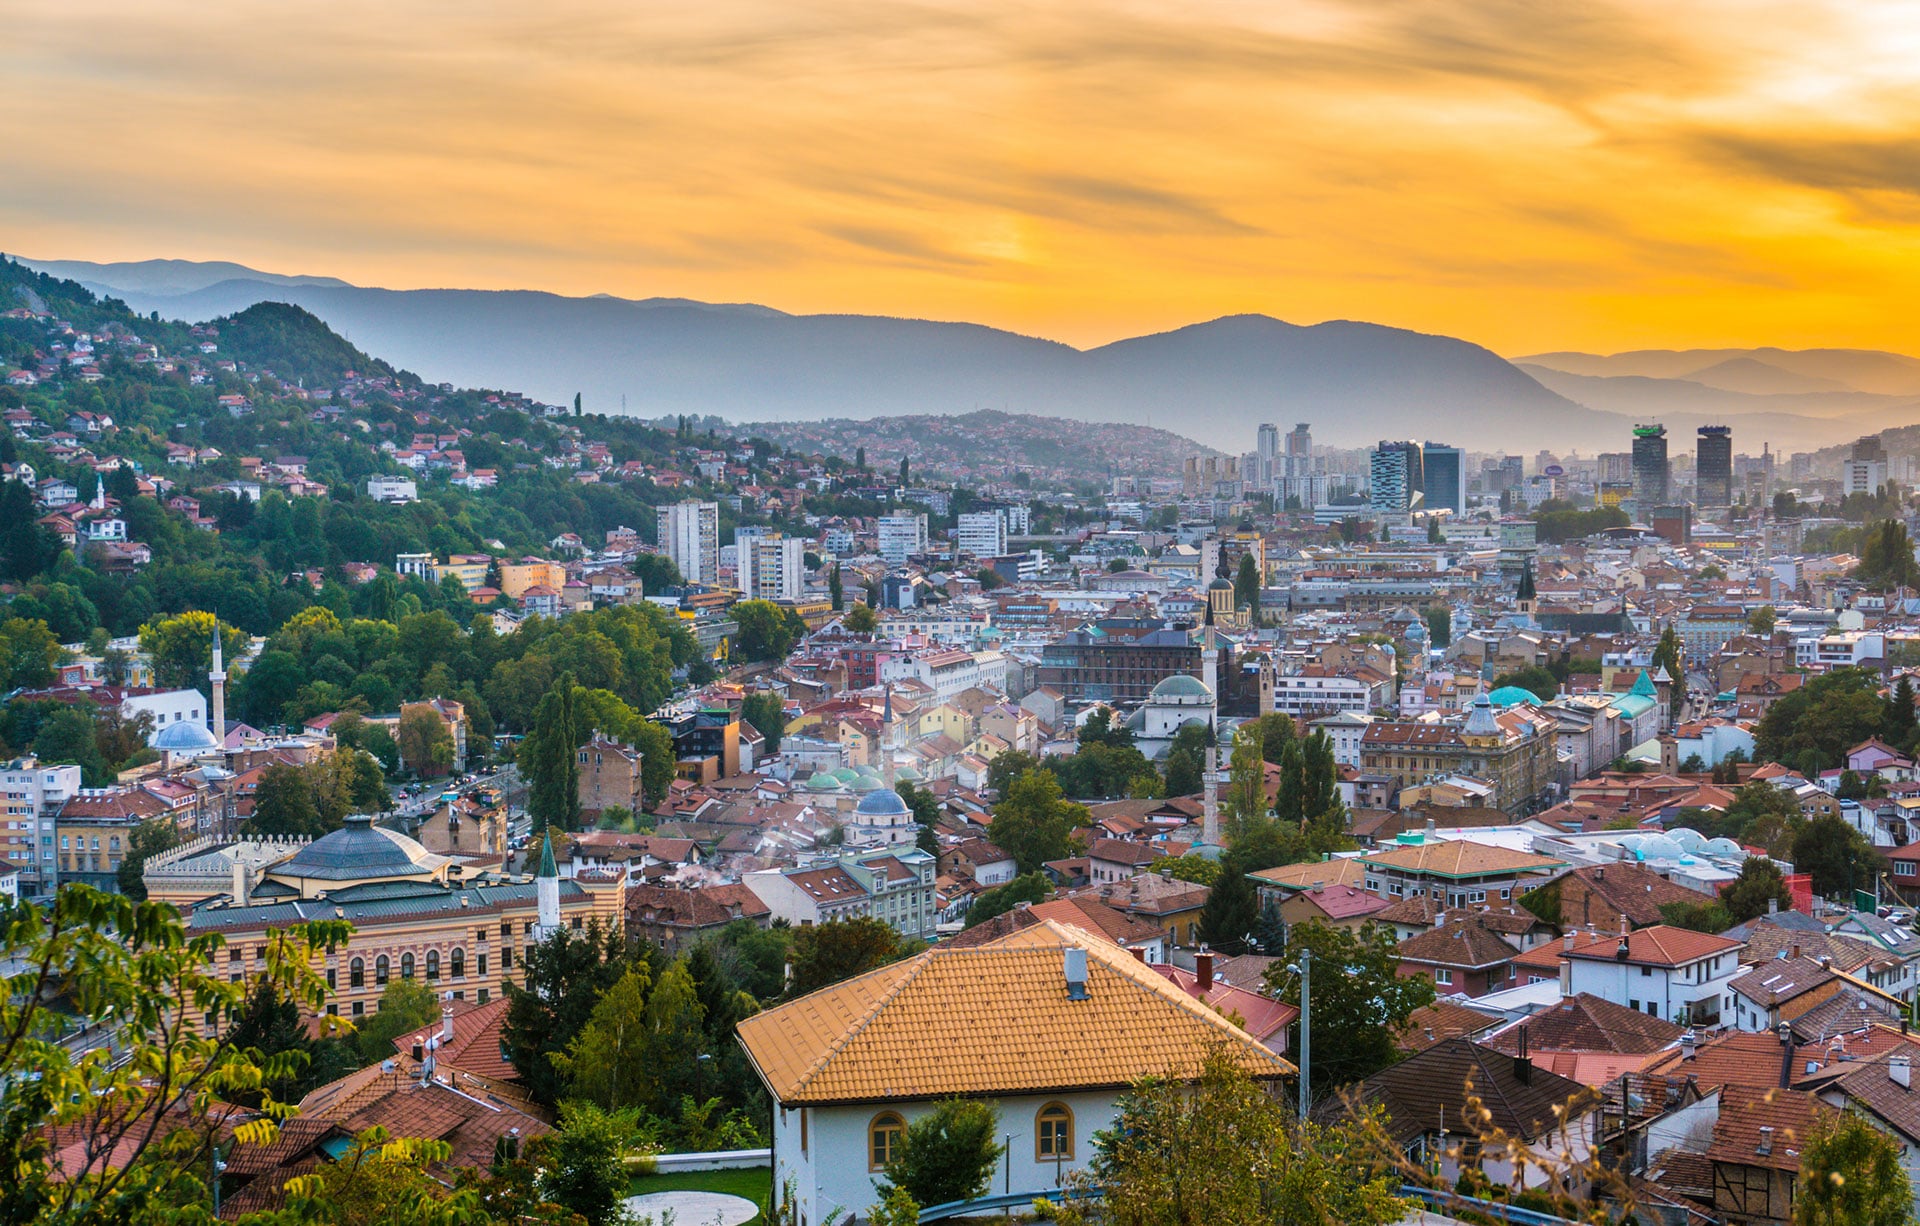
[[754, 1184]]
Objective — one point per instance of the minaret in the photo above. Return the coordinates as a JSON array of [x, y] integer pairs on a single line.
[[546, 888], [1210, 804], [219, 678], [1210, 669]]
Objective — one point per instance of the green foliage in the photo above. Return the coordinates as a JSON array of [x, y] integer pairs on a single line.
[[861, 619], [581, 1168], [1033, 822], [1186, 759], [547, 760], [425, 744], [1699, 917], [565, 976], [1543, 901], [28, 650], [1533, 678], [1232, 911], [1197, 869], [826, 954], [1824, 718], [405, 1006], [1246, 585], [1837, 856], [1227, 1150], [1886, 557], [948, 1154], [766, 712], [1558, 527], [283, 805], [1851, 1175], [1027, 887], [134, 962], [767, 631], [1360, 1001], [149, 838], [1439, 626], [1763, 619]]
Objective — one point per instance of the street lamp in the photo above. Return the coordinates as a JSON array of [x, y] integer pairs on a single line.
[[1304, 969]]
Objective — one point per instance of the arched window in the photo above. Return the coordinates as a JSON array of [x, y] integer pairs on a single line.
[[356, 974], [380, 966], [883, 1139], [459, 964], [406, 966], [1053, 1134], [433, 964]]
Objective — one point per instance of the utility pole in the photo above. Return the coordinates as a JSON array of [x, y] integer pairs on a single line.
[[1305, 968]]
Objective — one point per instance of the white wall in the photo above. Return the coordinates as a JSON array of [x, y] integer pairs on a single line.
[[833, 1173]]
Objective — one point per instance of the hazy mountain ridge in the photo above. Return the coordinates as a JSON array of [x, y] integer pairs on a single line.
[[1215, 381]]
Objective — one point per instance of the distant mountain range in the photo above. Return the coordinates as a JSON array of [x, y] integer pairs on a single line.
[[1214, 381]]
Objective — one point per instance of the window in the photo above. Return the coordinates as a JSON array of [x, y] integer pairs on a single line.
[[1646, 972], [433, 965], [1443, 975], [330, 983], [406, 966], [356, 974], [380, 966], [483, 996], [1053, 1134], [482, 968], [506, 930], [883, 1139], [359, 1007], [506, 959], [459, 960]]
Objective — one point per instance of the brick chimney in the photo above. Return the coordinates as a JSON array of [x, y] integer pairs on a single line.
[[1203, 971]]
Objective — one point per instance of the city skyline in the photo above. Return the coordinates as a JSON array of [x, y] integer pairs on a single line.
[[1627, 177]]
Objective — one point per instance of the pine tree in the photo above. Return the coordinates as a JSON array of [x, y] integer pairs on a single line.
[[834, 590], [1246, 585], [1900, 730]]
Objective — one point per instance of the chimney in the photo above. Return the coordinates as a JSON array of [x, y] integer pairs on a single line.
[[1689, 1045], [1203, 971], [1522, 1063], [1796, 950], [1773, 906], [1900, 1071], [1766, 1140], [1429, 827], [1623, 925], [1076, 972], [1568, 939], [239, 883], [446, 1024], [1600, 872]]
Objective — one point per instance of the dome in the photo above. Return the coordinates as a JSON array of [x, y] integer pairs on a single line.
[[866, 783], [1513, 696], [866, 772], [823, 782], [907, 774], [882, 803], [360, 851], [1220, 585], [845, 774], [1182, 686], [184, 736]]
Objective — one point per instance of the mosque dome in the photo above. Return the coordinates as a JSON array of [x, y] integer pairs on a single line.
[[1181, 688], [184, 737], [882, 804]]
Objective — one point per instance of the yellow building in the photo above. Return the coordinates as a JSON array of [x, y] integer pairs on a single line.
[[517, 577], [415, 915]]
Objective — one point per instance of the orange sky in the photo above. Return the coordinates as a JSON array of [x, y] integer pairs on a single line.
[[1527, 175]]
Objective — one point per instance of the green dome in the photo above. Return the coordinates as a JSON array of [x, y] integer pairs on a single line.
[[907, 774], [866, 771], [823, 782], [1180, 685], [846, 774], [866, 783], [1513, 696]]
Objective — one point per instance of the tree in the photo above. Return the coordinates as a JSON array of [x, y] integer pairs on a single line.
[[1851, 1175], [149, 838], [1762, 620], [1667, 655], [1899, 728], [767, 631], [284, 806], [547, 760], [1746, 897], [1837, 856], [566, 975], [605, 1063], [1187, 759], [180, 648], [67, 736], [1232, 911], [1538, 681], [1439, 626], [1886, 557], [581, 1167], [1197, 869], [825, 954], [405, 1006], [139, 1131], [1033, 823], [1225, 1149], [1824, 718], [267, 1025], [860, 619], [1360, 1001], [28, 649], [1002, 898], [1246, 585], [767, 713], [426, 746], [948, 1154], [1245, 802], [835, 592]]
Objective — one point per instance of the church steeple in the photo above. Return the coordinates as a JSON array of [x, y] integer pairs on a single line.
[[1524, 598]]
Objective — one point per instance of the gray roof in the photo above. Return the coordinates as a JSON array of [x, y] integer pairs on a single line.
[[882, 803], [183, 736], [359, 850]]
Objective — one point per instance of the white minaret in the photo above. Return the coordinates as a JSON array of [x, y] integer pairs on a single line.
[[546, 890], [1210, 804], [219, 678]]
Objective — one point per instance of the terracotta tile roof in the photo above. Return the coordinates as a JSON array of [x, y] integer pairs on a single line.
[[1459, 858], [1342, 902], [1316, 872], [1459, 943], [1600, 894], [1093, 916], [990, 1020], [1119, 851], [1745, 1110], [1260, 1016], [1683, 1171], [1586, 1022], [1870, 1086], [1660, 945], [1781, 979], [1753, 1060], [1768, 942]]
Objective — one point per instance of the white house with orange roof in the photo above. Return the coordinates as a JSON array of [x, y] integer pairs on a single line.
[[850, 1066]]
